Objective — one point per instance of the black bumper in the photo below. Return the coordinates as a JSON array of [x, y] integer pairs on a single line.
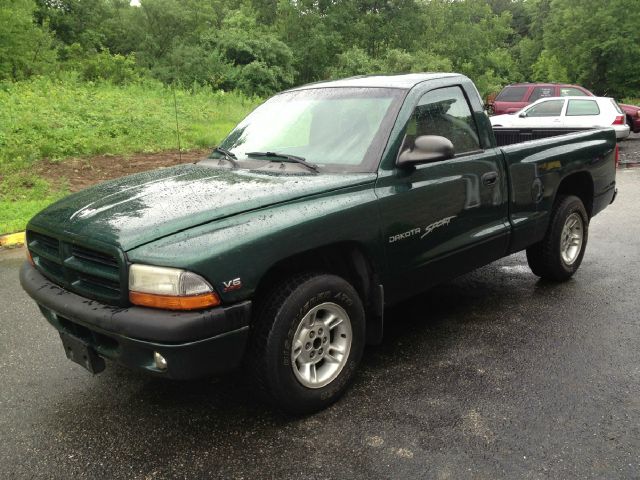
[[195, 344]]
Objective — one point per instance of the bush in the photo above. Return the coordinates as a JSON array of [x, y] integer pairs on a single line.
[[95, 66]]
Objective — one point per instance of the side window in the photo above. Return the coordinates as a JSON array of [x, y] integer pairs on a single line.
[[541, 92], [582, 107], [446, 113], [571, 92], [550, 108], [512, 94]]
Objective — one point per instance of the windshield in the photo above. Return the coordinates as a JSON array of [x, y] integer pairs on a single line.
[[337, 129]]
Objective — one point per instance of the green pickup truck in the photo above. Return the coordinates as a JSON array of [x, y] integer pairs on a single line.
[[280, 251]]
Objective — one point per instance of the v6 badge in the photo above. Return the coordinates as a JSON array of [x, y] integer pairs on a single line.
[[231, 285]]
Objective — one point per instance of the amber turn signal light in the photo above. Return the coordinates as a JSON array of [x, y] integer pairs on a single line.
[[30, 258], [170, 302]]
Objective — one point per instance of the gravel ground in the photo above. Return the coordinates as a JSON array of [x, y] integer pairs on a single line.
[[630, 151]]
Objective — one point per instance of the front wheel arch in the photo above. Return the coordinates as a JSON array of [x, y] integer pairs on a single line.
[[349, 260]]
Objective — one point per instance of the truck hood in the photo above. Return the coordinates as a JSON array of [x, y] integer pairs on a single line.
[[131, 211]]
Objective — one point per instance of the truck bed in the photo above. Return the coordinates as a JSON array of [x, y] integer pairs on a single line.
[[509, 135], [537, 159]]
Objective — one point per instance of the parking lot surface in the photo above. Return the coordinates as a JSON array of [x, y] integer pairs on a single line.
[[493, 375]]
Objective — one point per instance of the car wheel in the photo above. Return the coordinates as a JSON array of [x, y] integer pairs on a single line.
[[307, 341], [559, 254]]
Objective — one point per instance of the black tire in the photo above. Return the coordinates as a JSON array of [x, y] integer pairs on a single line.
[[545, 258], [278, 316]]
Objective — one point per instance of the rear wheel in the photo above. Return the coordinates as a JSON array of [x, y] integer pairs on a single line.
[[559, 254], [307, 342]]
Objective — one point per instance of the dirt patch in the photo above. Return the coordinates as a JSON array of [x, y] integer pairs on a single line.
[[79, 173]]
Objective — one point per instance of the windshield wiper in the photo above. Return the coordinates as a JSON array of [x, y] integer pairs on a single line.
[[228, 156], [286, 158]]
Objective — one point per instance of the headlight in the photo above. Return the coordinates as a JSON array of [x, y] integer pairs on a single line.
[[169, 288]]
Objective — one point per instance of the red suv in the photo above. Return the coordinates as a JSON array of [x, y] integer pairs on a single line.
[[518, 95]]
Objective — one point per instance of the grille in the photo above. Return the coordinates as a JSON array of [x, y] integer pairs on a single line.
[[90, 273]]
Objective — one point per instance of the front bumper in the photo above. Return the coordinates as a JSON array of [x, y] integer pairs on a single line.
[[195, 344]]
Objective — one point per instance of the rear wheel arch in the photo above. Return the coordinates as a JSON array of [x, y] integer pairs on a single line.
[[579, 184], [559, 254]]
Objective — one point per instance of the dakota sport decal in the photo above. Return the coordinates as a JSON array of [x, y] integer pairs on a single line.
[[423, 232]]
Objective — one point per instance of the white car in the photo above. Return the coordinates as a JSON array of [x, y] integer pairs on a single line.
[[567, 112]]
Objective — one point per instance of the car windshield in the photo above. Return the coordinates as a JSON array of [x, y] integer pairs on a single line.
[[337, 129]]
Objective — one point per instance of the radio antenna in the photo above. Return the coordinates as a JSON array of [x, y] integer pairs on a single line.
[[175, 107]]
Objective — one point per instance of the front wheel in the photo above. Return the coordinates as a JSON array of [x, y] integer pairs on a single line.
[[307, 341], [559, 254]]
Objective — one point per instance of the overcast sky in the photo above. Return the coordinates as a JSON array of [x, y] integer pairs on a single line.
[[135, 3]]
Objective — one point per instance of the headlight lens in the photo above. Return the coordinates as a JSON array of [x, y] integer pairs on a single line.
[[169, 288], [166, 281]]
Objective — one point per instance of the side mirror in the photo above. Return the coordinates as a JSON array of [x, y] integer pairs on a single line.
[[523, 115], [426, 149]]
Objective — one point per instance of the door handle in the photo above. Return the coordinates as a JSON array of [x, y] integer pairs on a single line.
[[490, 179]]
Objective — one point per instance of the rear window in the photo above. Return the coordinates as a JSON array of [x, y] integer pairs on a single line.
[[572, 92], [541, 92], [582, 107], [512, 94], [617, 107]]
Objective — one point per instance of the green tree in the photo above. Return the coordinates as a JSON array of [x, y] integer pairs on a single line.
[[548, 68], [597, 42], [474, 38], [76, 21], [354, 61], [262, 63], [25, 47]]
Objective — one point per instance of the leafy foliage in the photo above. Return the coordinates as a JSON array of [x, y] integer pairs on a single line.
[[25, 48], [597, 43], [262, 46]]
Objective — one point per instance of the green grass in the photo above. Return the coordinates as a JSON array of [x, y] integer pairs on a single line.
[[56, 119]]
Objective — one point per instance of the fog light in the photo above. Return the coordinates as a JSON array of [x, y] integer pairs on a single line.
[[161, 363]]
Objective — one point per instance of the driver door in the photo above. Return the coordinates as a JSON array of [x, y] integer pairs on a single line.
[[443, 218]]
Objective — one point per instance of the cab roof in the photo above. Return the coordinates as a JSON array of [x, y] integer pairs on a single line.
[[404, 81]]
